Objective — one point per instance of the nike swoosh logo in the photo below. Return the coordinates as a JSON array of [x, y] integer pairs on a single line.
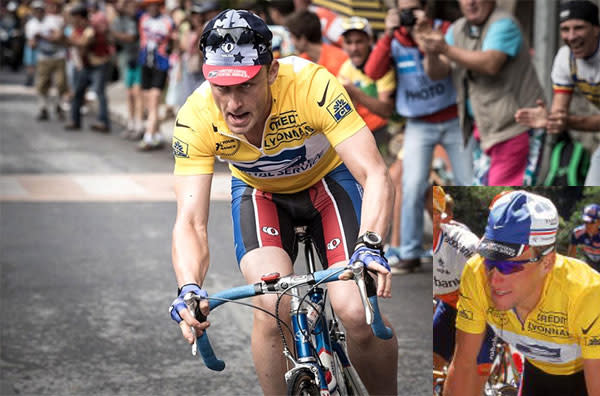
[[585, 331], [178, 124], [322, 101]]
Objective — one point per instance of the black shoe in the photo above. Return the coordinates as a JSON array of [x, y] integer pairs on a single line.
[[42, 115], [406, 266], [100, 127], [72, 127]]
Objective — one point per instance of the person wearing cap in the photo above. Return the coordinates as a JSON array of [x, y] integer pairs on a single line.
[[587, 236], [453, 245], [290, 134], [44, 33], [431, 119], [543, 304], [575, 66], [305, 33], [490, 63]]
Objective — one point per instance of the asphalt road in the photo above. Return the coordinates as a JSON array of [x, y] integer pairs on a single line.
[[86, 279]]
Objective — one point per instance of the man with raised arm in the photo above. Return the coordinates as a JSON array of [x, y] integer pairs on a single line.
[[543, 304], [299, 154]]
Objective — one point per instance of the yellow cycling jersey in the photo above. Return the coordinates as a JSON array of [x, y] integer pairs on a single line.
[[561, 331], [310, 115]]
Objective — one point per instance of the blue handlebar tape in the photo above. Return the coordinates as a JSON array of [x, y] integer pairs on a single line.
[[379, 328], [328, 274], [208, 355]]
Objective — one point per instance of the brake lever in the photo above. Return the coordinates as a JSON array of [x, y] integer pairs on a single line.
[[358, 270], [192, 300]]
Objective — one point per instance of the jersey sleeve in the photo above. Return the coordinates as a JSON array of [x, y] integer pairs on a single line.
[[587, 323], [562, 81], [470, 316], [503, 35], [193, 149], [330, 108]]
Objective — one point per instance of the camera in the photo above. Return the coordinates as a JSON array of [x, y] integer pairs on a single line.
[[407, 17]]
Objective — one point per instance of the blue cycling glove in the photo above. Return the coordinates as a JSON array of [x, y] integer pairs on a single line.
[[179, 304], [367, 256]]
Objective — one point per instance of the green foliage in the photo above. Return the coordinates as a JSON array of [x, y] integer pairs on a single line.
[[471, 206]]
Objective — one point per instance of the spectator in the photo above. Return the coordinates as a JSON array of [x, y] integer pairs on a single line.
[[491, 66], [331, 23], [576, 66], [305, 31], [278, 11], [156, 30], [44, 33], [91, 55], [125, 31], [431, 113]]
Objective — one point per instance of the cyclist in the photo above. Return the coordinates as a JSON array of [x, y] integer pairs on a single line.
[[453, 245], [543, 304], [588, 236], [290, 135]]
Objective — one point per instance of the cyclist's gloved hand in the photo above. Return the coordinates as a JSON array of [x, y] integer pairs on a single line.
[[369, 256], [180, 313]]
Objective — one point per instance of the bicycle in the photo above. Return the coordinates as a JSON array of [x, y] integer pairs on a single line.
[[505, 374], [320, 364]]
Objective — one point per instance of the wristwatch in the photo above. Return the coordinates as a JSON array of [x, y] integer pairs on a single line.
[[370, 239]]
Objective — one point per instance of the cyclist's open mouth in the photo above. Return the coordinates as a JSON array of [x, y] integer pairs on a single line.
[[239, 119]]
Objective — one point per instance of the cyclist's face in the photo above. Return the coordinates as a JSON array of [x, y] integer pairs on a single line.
[[245, 107], [519, 289], [581, 37], [592, 227]]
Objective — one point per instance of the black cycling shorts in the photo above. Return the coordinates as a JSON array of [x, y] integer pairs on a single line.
[[536, 382], [330, 209], [153, 78]]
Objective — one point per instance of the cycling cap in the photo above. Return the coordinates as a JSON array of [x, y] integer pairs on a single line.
[[591, 213], [517, 220], [356, 23], [235, 44], [584, 10]]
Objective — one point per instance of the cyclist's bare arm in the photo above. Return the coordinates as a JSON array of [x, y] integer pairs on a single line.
[[360, 154], [190, 239], [591, 368], [463, 379]]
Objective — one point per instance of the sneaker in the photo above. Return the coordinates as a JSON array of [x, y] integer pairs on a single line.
[[405, 266], [149, 146], [42, 115], [136, 134], [100, 127], [392, 255], [72, 127]]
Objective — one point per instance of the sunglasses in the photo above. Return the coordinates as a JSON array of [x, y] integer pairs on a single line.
[[218, 36], [506, 267]]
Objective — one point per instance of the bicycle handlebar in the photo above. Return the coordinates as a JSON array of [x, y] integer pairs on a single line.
[[369, 299]]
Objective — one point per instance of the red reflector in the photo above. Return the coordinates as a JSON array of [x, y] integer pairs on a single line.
[[273, 276]]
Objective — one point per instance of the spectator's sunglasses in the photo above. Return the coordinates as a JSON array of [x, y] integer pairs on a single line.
[[217, 36], [506, 267]]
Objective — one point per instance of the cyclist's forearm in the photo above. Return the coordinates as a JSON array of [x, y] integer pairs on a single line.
[[190, 254], [377, 203], [461, 381]]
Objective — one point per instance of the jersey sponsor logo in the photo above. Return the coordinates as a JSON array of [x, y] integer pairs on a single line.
[[453, 283], [587, 329], [334, 243], [285, 163], [339, 108], [322, 101], [539, 351], [178, 124], [592, 341], [460, 248], [270, 231], [499, 317], [549, 330], [466, 314], [180, 148], [227, 147], [286, 128]]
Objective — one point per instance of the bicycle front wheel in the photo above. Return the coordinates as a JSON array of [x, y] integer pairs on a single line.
[[303, 383]]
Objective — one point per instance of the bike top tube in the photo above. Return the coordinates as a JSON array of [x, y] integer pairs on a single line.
[[278, 285]]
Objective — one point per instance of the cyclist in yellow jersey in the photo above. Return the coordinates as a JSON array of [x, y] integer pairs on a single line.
[[299, 155], [544, 304]]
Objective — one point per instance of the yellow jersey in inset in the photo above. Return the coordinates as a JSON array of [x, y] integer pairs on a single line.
[[558, 334], [310, 115]]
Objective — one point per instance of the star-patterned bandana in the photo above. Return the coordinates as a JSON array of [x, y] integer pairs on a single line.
[[235, 44]]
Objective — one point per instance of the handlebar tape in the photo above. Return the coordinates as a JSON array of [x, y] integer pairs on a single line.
[[379, 328], [208, 355]]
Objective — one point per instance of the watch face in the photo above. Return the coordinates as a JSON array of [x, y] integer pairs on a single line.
[[372, 238]]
